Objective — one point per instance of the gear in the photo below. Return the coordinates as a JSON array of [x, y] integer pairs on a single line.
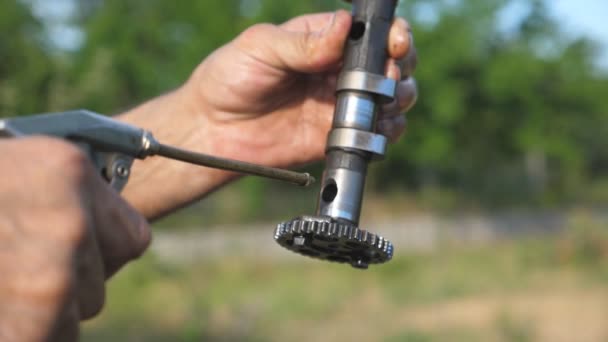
[[325, 238]]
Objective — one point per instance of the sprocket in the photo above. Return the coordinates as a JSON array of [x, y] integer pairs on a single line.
[[328, 239]]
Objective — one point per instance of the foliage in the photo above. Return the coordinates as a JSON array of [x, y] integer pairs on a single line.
[[26, 69], [504, 115]]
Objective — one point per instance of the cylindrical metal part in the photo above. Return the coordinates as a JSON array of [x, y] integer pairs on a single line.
[[355, 110], [361, 90], [302, 179], [368, 83], [354, 139], [342, 188], [366, 48]]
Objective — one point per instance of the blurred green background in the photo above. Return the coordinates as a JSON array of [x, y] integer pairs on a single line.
[[496, 198]]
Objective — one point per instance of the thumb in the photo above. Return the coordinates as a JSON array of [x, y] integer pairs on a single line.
[[314, 47]]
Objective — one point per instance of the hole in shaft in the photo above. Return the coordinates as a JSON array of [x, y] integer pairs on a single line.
[[357, 30], [329, 192]]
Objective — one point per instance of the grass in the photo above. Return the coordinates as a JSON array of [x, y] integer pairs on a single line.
[[514, 291]]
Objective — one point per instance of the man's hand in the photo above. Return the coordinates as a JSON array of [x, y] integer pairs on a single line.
[[267, 97], [63, 232]]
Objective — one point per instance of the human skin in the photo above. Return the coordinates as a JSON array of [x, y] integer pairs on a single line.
[[63, 232], [267, 97]]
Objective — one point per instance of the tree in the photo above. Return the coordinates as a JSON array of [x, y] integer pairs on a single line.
[[26, 67], [505, 116]]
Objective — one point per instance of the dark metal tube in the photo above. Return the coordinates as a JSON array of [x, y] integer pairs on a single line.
[[342, 186], [302, 179], [366, 50]]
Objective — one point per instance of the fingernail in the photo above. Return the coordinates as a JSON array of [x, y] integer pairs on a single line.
[[399, 39]]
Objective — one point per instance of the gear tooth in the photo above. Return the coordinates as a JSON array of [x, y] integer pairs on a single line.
[[333, 229], [348, 233], [370, 238], [379, 241], [353, 234], [340, 230], [389, 251], [364, 236], [324, 229], [295, 227], [304, 227], [311, 227], [319, 228], [345, 231]]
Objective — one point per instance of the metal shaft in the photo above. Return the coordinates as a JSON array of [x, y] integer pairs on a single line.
[[302, 179], [362, 88]]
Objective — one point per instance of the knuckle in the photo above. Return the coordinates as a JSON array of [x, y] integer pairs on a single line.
[[94, 305], [252, 33], [137, 238], [141, 242]]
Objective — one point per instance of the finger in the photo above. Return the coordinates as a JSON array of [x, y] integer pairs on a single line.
[[392, 128], [122, 233], [308, 51], [409, 62], [90, 277], [406, 96], [393, 70], [309, 22], [399, 39]]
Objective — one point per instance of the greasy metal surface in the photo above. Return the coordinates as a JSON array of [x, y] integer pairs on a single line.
[[368, 82], [324, 238], [366, 49], [302, 179], [357, 140], [355, 110], [341, 194]]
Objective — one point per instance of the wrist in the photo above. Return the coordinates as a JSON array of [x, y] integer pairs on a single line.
[[158, 186]]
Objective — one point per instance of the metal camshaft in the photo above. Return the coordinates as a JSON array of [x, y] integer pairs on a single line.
[[333, 233]]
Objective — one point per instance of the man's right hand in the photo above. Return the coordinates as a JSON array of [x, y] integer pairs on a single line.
[[63, 232]]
